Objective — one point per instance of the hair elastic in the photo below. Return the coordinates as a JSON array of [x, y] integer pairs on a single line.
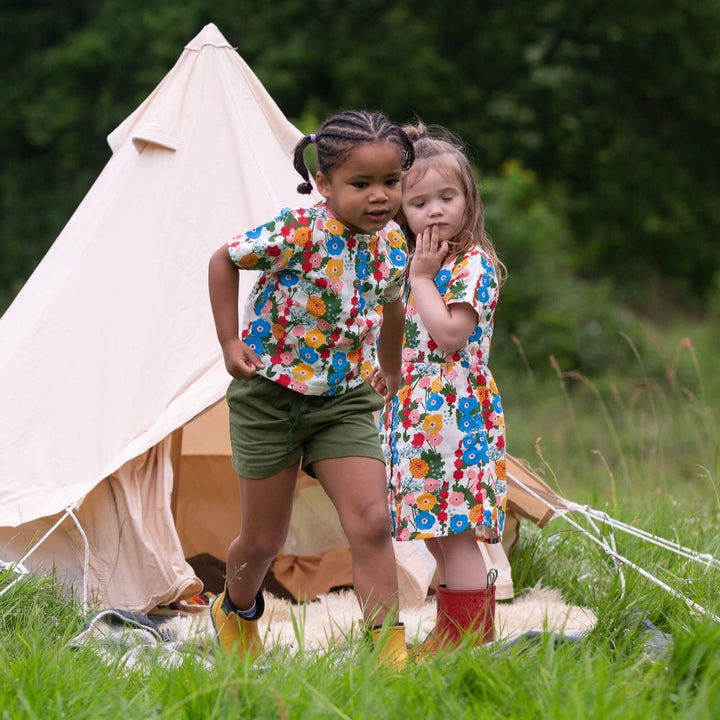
[[313, 138]]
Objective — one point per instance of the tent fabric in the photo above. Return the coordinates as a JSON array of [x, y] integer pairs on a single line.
[[110, 370]]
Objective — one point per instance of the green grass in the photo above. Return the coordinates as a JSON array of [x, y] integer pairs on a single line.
[[645, 451]]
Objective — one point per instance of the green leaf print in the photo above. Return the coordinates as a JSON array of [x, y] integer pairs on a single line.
[[458, 289], [435, 463], [333, 308], [411, 333]]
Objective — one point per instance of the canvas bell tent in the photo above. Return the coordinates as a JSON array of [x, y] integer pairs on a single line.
[[114, 456]]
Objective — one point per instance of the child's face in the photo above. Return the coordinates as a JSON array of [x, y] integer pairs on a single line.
[[364, 192], [432, 195]]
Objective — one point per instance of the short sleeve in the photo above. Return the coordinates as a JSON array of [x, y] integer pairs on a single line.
[[471, 280], [269, 247]]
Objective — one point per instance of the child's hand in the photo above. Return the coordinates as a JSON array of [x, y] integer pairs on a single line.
[[240, 360], [429, 254], [386, 385]]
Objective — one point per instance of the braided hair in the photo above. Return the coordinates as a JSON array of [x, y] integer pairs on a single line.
[[341, 134]]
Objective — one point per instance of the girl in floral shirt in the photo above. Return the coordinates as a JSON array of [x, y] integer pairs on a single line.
[[444, 433], [324, 308]]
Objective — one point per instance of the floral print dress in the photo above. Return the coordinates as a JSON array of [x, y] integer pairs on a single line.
[[444, 432], [314, 313]]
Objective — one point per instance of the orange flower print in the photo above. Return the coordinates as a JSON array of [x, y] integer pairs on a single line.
[[500, 470], [395, 239], [354, 356], [432, 424], [405, 393], [314, 338], [365, 369], [302, 235], [279, 332], [334, 226], [334, 269], [476, 512], [426, 501], [248, 261], [483, 394], [303, 372], [418, 467], [315, 306]]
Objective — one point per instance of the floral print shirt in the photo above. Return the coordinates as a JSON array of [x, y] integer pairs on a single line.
[[314, 313]]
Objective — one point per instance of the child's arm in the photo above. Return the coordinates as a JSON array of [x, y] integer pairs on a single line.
[[240, 361], [450, 326], [389, 350]]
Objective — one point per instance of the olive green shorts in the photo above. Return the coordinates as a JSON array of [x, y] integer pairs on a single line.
[[272, 427]]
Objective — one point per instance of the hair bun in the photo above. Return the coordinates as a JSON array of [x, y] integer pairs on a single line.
[[305, 188]]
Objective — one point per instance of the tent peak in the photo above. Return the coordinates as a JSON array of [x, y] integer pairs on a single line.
[[209, 35]]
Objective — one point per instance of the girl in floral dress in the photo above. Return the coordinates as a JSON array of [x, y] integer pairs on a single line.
[[327, 295], [444, 433]]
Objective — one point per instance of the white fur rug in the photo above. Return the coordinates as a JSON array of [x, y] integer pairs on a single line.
[[332, 619]]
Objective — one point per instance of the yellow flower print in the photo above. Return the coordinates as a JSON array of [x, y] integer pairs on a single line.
[[366, 369], [437, 384], [476, 512], [404, 394], [248, 261], [354, 356], [334, 226], [334, 269], [500, 470], [303, 372], [493, 386], [423, 536], [315, 338], [426, 501], [483, 394], [315, 306], [373, 245], [432, 424], [418, 467], [302, 235], [395, 239]]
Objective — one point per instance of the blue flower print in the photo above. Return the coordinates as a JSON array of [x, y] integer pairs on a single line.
[[255, 344], [309, 355], [472, 456], [476, 334], [335, 245], [459, 523], [261, 328], [483, 294], [398, 257], [468, 423], [435, 402], [340, 360], [335, 377], [288, 278], [362, 270], [253, 234], [442, 279], [468, 405], [497, 405], [487, 265], [424, 520]]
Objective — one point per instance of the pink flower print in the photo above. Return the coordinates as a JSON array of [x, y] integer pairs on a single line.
[[299, 331], [414, 416], [431, 485], [411, 309], [319, 224], [409, 499], [425, 382], [451, 375], [323, 325], [299, 387], [435, 440], [291, 235], [337, 286], [472, 474], [456, 498], [286, 358], [316, 260], [384, 270], [404, 534], [267, 307], [407, 354]]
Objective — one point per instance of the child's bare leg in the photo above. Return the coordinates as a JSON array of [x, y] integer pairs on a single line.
[[266, 506], [357, 488], [463, 561], [435, 549]]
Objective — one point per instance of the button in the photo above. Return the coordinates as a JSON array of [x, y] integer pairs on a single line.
[[362, 245], [356, 283]]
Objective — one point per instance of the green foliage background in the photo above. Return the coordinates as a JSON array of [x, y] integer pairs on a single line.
[[594, 126]]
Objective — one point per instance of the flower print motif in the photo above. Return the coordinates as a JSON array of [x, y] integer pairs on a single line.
[[419, 468], [337, 286], [362, 270], [436, 440], [255, 344], [302, 235], [340, 361], [316, 260], [431, 484], [398, 257], [426, 501], [468, 423], [334, 227], [288, 278], [456, 498], [467, 405], [409, 499], [279, 332], [432, 424], [395, 239], [404, 394], [303, 372], [335, 245], [435, 402], [472, 456], [315, 306], [309, 355], [334, 378], [442, 279], [475, 514], [315, 339], [261, 328], [436, 385], [459, 523], [414, 416], [483, 294], [404, 534], [407, 354], [248, 261], [500, 470], [256, 233], [482, 394], [334, 269], [298, 387], [425, 382], [418, 440], [424, 520], [286, 358], [497, 404]]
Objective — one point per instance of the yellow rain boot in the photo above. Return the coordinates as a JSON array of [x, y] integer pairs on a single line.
[[390, 646], [237, 634]]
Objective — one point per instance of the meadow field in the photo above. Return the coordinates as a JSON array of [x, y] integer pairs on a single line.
[[645, 450]]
